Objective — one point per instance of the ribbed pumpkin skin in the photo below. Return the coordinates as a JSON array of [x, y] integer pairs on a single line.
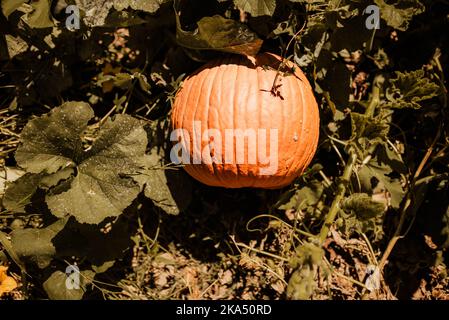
[[234, 93]]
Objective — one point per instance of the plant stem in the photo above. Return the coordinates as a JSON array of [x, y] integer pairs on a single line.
[[375, 97], [341, 190], [346, 176]]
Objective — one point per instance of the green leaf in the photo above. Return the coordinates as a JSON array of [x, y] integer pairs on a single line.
[[170, 189], [102, 187], [383, 173], [399, 13], [52, 141], [18, 194], [257, 7], [57, 289], [221, 34], [363, 206], [36, 245], [408, 89], [9, 6]]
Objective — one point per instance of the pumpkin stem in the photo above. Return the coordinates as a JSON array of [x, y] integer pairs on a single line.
[[275, 87]]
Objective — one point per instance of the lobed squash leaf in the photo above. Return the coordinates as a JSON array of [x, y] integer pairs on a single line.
[[40, 16], [409, 89], [102, 187]]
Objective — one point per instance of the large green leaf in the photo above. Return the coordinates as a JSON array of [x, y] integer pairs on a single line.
[[57, 289], [52, 141], [102, 187], [36, 245], [221, 34], [399, 13], [257, 7]]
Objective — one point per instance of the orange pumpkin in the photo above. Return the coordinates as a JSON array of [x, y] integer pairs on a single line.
[[236, 129]]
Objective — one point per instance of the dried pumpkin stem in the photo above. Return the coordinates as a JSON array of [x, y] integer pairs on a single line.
[[274, 87]]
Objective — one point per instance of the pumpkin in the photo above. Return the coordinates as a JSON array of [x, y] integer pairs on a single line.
[[245, 122]]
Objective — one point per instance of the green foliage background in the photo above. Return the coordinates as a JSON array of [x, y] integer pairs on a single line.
[[87, 181]]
